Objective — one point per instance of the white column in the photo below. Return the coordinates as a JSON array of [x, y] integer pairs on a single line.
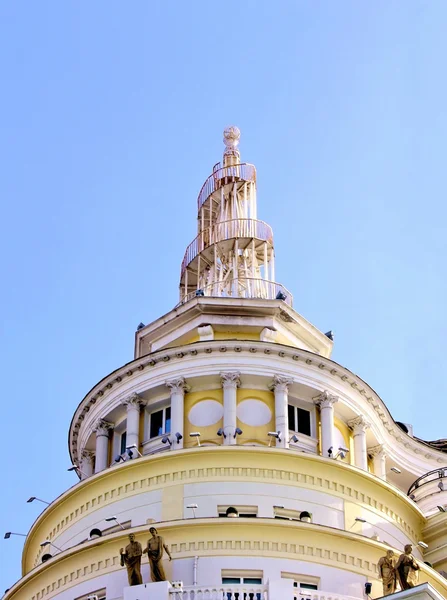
[[326, 403], [133, 404], [359, 425], [86, 466], [102, 445], [379, 461], [230, 382], [280, 387], [178, 388]]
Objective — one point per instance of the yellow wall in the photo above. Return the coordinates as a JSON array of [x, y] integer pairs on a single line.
[[252, 433], [213, 537], [208, 434], [230, 463]]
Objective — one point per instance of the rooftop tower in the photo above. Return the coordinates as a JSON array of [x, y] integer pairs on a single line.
[[233, 253]]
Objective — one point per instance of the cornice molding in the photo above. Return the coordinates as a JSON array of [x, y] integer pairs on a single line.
[[314, 362], [229, 463], [271, 538]]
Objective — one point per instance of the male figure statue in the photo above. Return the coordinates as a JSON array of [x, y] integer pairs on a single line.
[[407, 569], [387, 572], [154, 550], [131, 557]]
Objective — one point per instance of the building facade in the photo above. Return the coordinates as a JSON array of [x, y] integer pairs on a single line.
[[270, 470]]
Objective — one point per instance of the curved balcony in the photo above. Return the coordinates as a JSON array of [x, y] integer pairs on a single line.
[[226, 230], [222, 175], [244, 287], [432, 483]]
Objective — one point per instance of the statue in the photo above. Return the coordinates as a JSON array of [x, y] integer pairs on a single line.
[[387, 573], [131, 557], [154, 550], [407, 568]]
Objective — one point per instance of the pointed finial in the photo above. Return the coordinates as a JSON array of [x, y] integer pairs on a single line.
[[231, 137]]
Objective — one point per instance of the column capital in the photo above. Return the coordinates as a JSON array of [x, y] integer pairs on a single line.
[[280, 383], [358, 424], [103, 427], [230, 379], [377, 451], [325, 399], [87, 456], [177, 385], [133, 400]]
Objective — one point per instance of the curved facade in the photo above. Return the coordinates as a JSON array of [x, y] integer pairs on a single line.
[[233, 405]]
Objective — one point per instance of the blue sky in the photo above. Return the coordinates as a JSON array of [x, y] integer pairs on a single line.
[[111, 118]]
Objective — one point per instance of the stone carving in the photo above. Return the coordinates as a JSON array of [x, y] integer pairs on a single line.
[[325, 400], [131, 558], [177, 385], [230, 379], [87, 457], [133, 400], [103, 427], [154, 550], [387, 573], [407, 569], [358, 425], [377, 451], [280, 383]]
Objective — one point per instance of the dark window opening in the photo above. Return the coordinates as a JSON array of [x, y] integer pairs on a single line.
[[303, 422]]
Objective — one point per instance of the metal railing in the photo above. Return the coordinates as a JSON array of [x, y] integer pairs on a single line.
[[247, 287], [220, 592], [226, 230], [430, 477], [243, 172]]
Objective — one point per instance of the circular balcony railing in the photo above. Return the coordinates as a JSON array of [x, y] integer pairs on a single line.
[[243, 287], [432, 482], [226, 230], [241, 172]]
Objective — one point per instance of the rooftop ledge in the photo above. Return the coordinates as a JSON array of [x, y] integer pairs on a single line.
[[190, 537], [253, 457]]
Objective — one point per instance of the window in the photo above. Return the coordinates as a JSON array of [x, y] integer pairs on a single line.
[[160, 422], [246, 578], [299, 420], [123, 439], [301, 583]]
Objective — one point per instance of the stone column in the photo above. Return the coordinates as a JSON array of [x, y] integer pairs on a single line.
[[102, 444], [230, 383], [280, 387], [379, 461], [86, 466], [359, 425], [326, 403], [133, 403], [178, 388]]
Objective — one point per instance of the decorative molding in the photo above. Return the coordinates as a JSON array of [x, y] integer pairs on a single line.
[[178, 386], [364, 392], [134, 400], [123, 486], [206, 333], [280, 383], [358, 425], [325, 400], [268, 335], [87, 456], [103, 427], [377, 451], [231, 379]]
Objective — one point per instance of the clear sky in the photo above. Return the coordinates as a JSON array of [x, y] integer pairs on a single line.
[[111, 118]]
